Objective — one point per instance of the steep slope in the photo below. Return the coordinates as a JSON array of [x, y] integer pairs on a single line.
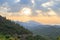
[[9, 27]]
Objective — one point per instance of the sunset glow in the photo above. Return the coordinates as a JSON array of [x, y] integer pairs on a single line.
[[26, 11], [47, 12]]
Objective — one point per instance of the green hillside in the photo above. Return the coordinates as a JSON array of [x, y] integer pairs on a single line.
[[9, 30], [9, 27]]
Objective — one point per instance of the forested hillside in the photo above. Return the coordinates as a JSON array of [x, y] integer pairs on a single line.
[[12, 31]]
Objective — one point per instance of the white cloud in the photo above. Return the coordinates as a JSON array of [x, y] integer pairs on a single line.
[[4, 7], [48, 4], [16, 1], [33, 3], [51, 13]]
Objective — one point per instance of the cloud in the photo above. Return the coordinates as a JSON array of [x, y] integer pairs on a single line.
[[16, 1], [17, 5], [48, 4], [4, 7], [51, 13], [48, 13], [33, 3], [5, 14]]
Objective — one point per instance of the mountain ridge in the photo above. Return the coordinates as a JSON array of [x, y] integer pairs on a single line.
[[52, 31], [9, 30]]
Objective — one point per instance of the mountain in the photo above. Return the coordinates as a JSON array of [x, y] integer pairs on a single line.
[[52, 31], [10, 27], [29, 24], [9, 30]]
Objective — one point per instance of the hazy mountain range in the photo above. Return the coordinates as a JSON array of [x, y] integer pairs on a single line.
[[29, 24], [53, 31], [34, 24]]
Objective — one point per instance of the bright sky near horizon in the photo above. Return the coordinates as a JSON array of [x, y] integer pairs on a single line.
[[47, 11]]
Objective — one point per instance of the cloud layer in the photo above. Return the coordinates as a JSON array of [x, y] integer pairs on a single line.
[[17, 5], [41, 10]]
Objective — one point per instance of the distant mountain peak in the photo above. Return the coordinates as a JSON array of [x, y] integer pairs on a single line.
[[33, 22]]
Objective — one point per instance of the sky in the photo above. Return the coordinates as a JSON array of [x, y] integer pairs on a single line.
[[42, 11]]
